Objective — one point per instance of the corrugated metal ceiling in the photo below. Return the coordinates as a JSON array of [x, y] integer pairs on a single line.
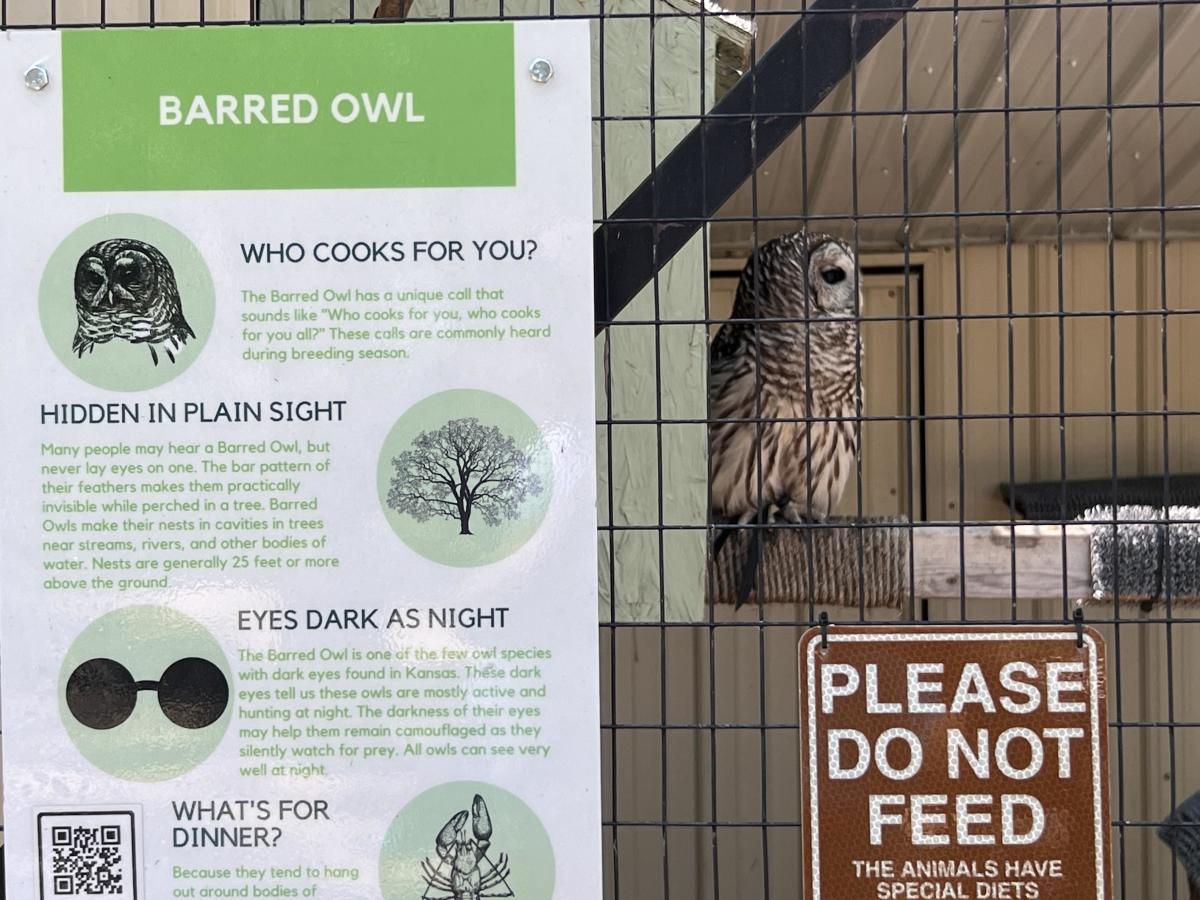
[[963, 155]]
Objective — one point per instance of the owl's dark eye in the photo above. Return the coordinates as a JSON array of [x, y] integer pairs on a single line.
[[132, 271], [91, 281], [833, 275]]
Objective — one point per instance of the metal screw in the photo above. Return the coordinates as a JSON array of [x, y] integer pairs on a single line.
[[541, 70], [36, 77]]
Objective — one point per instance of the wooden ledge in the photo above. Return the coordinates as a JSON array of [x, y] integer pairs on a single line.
[[992, 552]]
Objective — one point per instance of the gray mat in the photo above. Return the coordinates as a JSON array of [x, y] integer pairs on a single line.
[[1181, 832], [1147, 555]]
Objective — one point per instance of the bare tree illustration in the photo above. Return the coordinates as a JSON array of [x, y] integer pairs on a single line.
[[461, 469]]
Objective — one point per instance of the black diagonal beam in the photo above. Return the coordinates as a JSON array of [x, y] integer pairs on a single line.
[[720, 154]]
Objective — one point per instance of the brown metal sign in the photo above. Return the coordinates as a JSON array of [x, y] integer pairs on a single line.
[[954, 763]]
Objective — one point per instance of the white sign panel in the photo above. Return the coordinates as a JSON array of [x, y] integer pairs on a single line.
[[299, 548]]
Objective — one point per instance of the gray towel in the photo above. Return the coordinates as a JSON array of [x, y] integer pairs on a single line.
[[1145, 557], [1181, 832]]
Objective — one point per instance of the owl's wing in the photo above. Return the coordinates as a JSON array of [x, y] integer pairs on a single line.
[[180, 329], [725, 345], [731, 336]]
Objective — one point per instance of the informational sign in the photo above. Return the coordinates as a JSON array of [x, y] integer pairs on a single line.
[[947, 763], [299, 548]]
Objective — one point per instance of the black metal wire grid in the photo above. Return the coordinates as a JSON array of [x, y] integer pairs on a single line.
[[699, 717], [773, 867], [773, 860]]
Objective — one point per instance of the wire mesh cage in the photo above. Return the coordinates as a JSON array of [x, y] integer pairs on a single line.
[[1019, 187]]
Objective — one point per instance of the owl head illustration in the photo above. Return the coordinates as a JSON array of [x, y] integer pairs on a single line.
[[125, 288]]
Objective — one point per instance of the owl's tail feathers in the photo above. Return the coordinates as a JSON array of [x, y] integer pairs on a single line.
[[749, 571], [723, 534]]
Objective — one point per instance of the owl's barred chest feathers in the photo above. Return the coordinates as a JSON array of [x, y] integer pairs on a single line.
[[802, 419]]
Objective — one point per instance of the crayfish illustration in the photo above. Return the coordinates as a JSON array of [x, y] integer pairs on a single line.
[[464, 870]]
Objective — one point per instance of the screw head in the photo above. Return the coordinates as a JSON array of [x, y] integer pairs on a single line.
[[541, 70], [36, 77]]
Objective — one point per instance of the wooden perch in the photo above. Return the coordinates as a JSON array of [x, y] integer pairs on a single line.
[[869, 564], [890, 563], [988, 551]]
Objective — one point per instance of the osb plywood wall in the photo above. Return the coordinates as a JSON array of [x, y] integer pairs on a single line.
[[744, 677]]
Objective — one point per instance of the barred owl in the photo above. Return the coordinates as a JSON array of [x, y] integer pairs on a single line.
[[126, 289], [798, 378]]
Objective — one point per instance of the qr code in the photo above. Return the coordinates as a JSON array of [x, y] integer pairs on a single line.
[[87, 854]]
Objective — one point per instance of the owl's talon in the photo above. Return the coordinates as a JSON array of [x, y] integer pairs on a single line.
[[792, 513]]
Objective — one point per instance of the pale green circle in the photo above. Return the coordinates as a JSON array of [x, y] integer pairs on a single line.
[[439, 539], [516, 832], [119, 365], [147, 746]]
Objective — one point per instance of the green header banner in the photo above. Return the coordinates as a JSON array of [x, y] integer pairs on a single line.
[[281, 107]]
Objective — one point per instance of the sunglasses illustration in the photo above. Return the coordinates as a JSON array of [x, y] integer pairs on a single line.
[[192, 693]]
